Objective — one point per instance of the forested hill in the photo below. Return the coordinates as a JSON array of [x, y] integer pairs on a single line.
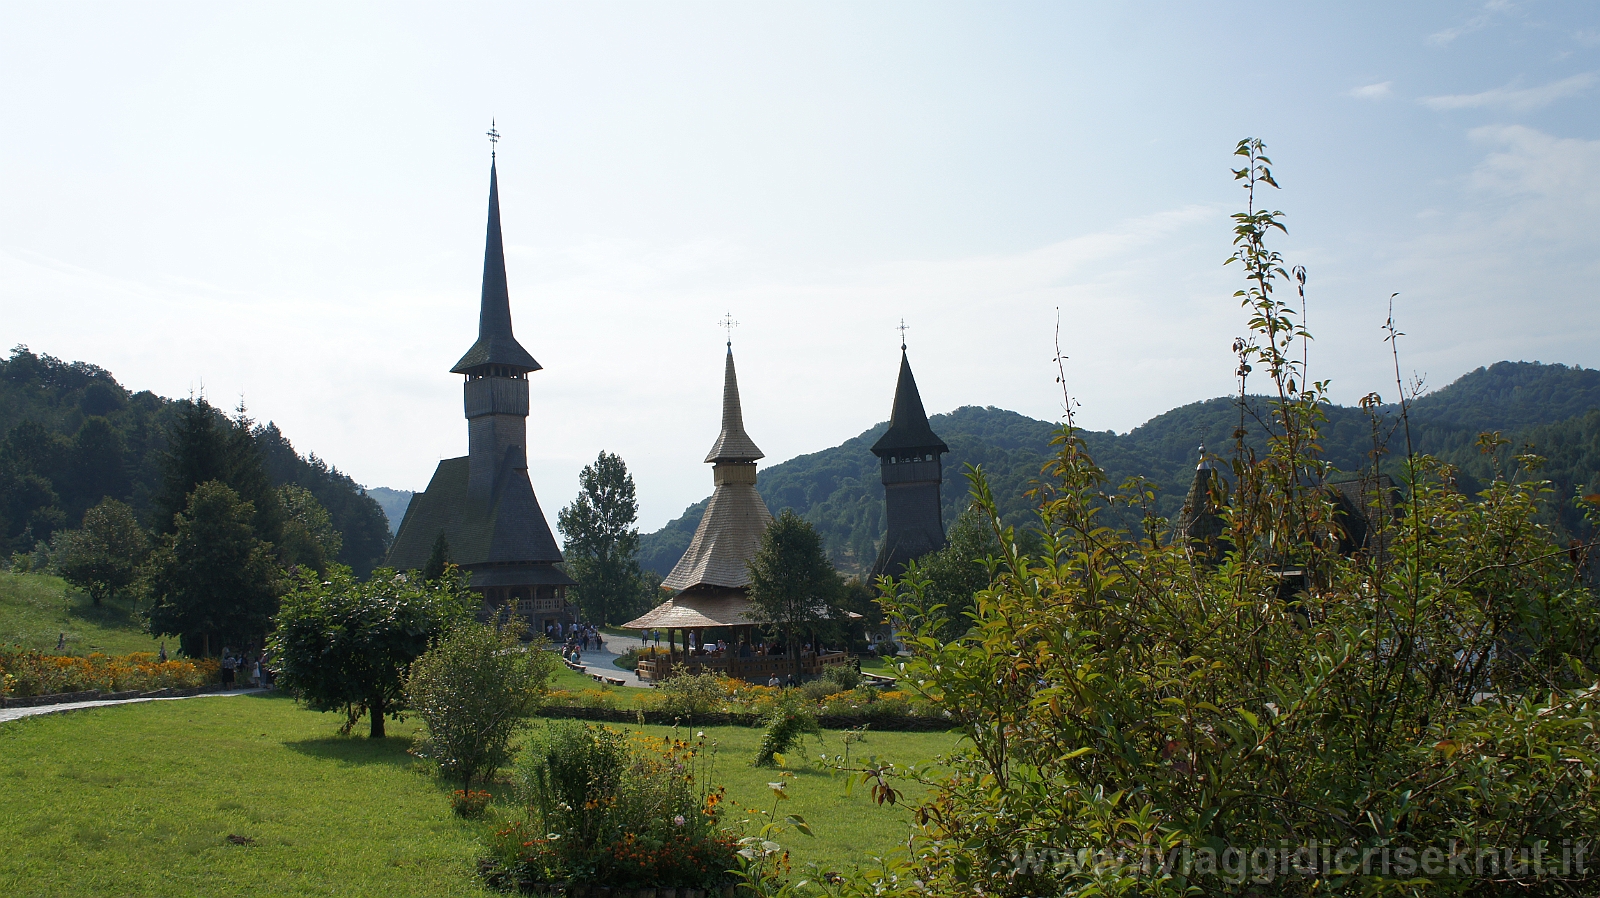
[[70, 435], [838, 490]]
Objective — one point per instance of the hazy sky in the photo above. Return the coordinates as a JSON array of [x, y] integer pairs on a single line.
[[286, 203]]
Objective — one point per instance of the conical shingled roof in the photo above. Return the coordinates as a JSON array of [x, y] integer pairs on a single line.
[[496, 345], [908, 423], [730, 530], [733, 444], [727, 538]]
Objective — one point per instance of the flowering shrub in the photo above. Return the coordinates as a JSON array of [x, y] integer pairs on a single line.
[[607, 809], [469, 802], [25, 672]]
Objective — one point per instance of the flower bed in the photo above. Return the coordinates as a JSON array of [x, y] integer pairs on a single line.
[[613, 813], [25, 673]]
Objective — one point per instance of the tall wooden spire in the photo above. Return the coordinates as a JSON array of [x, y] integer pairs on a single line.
[[730, 531], [496, 345], [732, 444]]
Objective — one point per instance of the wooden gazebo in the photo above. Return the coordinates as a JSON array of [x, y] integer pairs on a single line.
[[714, 572]]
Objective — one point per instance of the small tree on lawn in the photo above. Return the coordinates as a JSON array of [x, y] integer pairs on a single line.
[[474, 690], [211, 577], [792, 584], [344, 644], [103, 557]]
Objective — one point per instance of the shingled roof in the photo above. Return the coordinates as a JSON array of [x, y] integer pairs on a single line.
[[496, 345], [507, 529], [727, 538], [695, 609], [908, 423], [730, 530], [732, 444]]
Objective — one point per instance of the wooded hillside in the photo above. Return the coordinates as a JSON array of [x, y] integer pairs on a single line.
[[70, 435], [1550, 407]]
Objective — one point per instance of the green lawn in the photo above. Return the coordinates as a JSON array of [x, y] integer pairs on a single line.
[[140, 799], [35, 609], [849, 827]]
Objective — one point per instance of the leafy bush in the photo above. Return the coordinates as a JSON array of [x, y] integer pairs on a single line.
[[688, 696], [790, 720], [847, 677], [604, 808], [1148, 694], [819, 689], [473, 692], [581, 698]]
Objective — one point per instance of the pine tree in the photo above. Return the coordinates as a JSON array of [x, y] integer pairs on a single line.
[[212, 581]]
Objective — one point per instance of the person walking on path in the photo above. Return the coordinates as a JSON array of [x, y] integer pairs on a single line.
[[228, 667]]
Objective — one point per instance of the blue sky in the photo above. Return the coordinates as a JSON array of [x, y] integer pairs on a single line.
[[286, 202]]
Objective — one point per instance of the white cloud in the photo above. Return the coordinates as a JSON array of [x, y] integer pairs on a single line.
[[1476, 23], [1514, 98], [1562, 174], [1588, 38], [1511, 271], [1371, 91]]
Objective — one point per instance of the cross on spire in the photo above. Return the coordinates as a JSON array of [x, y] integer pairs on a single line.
[[494, 138], [727, 323], [902, 329]]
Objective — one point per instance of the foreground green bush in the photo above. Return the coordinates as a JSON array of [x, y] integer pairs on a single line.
[[474, 691], [1246, 706], [606, 808]]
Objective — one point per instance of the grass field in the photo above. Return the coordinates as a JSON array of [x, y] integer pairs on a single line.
[[35, 609], [140, 799]]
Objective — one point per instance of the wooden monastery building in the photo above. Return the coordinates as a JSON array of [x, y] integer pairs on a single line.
[[483, 503]]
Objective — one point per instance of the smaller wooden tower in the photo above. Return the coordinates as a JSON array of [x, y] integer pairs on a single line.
[[909, 462]]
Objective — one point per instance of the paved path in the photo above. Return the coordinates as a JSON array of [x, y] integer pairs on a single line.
[[599, 661], [19, 713]]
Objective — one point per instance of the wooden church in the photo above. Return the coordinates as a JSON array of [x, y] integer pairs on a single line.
[[483, 503]]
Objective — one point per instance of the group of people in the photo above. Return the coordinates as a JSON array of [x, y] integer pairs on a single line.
[[576, 638], [236, 667]]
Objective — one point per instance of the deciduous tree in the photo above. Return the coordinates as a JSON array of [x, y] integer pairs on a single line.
[[344, 644], [104, 556], [602, 543], [792, 584]]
